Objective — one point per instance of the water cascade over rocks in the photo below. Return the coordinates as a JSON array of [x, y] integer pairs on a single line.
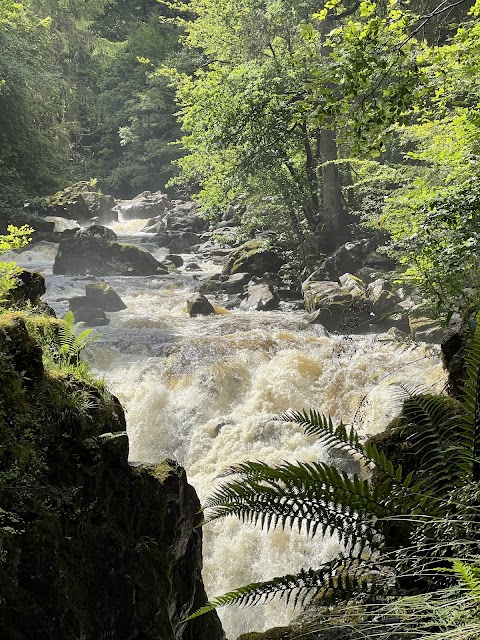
[[203, 389]]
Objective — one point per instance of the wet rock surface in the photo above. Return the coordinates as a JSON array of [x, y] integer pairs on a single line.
[[92, 255], [199, 305]]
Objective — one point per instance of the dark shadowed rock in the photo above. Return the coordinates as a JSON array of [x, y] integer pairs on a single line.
[[176, 260], [18, 219], [87, 255], [92, 546], [91, 316], [104, 297], [253, 257], [454, 355], [199, 306], [236, 282]]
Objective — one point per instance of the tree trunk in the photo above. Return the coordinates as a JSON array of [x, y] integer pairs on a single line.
[[334, 229]]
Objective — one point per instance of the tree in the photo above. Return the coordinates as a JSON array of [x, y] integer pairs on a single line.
[[246, 132], [33, 142]]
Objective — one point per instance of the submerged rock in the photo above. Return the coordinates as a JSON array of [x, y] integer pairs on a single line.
[[91, 546], [87, 255], [91, 316]]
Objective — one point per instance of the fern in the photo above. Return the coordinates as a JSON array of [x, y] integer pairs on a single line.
[[69, 344], [335, 580]]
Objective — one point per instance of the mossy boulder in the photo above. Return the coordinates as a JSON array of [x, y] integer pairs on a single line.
[[29, 287], [103, 296], [87, 255], [253, 257], [91, 546], [82, 202], [425, 329]]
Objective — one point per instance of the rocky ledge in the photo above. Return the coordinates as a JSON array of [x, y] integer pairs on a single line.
[[90, 546]]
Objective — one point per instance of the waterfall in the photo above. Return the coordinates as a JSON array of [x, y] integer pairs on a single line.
[[203, 391]]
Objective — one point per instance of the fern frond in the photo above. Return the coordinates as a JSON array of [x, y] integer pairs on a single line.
[[436, 441], [469, 576], [338, 579], [329, 436], [314, 497]]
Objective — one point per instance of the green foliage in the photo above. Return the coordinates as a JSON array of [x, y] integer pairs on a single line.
[[63, 345], [244, 130], [130, 145], [15, 239], [32, 137]]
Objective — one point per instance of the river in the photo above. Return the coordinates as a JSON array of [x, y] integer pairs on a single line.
[[203, 391]]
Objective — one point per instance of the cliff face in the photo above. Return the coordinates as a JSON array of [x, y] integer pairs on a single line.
[[91, 548]]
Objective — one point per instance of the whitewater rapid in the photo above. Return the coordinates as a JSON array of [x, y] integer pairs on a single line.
[[203, 391]]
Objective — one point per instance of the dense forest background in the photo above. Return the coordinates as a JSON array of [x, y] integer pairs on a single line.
[[306, 117]]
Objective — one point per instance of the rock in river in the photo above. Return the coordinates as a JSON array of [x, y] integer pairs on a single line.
[[99, 257]]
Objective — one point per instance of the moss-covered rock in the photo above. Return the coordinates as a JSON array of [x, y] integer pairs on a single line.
[[90, 546], [28, 289], [253, 257], [103, 296], [80, 201]]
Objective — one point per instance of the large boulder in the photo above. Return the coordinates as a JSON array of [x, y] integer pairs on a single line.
[[86, 255], [103, 296], [253, 257], [176, 241], [183, 217], [144, 206], [81, 202], [93, 546], [29, 287], [353, 306]]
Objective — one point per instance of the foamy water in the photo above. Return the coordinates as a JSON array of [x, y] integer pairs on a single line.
[[203, 391]]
